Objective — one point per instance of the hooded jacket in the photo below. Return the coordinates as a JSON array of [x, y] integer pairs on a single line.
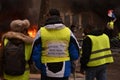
[[54, 23]]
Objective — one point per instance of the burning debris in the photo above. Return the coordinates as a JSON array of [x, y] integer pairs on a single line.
[[32, 31], [0, 44]]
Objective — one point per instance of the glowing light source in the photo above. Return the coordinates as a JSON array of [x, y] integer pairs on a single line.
[[0, 44], [32, 31]]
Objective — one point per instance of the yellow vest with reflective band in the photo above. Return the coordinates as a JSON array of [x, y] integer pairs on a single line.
[[55, 45], [111, 24], [100, 53]]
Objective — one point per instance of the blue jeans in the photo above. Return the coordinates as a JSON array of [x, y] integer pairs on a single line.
[[99, 73]]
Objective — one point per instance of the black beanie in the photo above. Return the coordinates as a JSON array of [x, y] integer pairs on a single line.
[[54, 12]]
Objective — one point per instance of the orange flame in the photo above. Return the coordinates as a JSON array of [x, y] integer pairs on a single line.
[[32, 31], [0, 44]]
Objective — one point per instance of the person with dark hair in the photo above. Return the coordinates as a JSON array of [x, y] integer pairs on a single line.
[[96, 53], [54, 48], [72, 28], [54, 12], [110, 27]]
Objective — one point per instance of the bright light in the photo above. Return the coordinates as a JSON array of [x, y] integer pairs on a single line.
[[0, 44], [32, 31]]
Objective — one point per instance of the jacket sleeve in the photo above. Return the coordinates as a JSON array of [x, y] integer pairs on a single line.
[[36, 52], [74, 48], [86, 52]]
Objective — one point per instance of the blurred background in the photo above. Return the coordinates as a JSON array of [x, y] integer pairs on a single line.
[[73, 12]]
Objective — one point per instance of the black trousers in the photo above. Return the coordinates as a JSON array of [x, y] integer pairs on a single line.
[[53, 78]]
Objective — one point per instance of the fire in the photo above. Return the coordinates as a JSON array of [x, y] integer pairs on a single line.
[[32, 31], [0, 44]]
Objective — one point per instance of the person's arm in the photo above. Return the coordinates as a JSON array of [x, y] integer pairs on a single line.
[[36, 51], [18, 35], [74, 48], [114, 19], [74, 52], [86, 52]]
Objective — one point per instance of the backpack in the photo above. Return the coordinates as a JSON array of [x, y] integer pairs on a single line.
[[14, 58]]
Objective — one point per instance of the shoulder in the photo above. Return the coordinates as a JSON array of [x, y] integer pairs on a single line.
[[86, 40]]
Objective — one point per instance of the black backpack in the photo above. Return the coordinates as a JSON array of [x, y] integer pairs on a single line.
[[14, 58]]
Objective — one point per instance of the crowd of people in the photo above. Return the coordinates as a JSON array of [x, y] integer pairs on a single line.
[[53, 51]]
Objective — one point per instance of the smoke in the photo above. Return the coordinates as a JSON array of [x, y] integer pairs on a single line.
[[80, 5], [15, 4], [17, 9], [94, 5], [20, 9], [98, 7]]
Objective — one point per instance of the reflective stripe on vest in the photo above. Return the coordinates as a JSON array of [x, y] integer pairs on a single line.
[[101, 53], [55, 45]]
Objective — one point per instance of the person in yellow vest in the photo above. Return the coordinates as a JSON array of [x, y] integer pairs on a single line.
[[96, 54], [18, 34], [54, 48], [110, 27]]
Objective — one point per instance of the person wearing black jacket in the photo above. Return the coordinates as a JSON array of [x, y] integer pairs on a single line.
[[95, 67]]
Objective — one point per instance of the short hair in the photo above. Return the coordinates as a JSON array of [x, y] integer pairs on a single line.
[[54, 12]]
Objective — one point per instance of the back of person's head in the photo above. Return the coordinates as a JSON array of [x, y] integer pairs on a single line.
[[19, 25], [88, 29], [53, 17], [54, 12]]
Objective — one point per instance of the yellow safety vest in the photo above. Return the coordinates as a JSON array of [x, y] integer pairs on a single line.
[[101, 53], [55, 45], [111, 25]]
